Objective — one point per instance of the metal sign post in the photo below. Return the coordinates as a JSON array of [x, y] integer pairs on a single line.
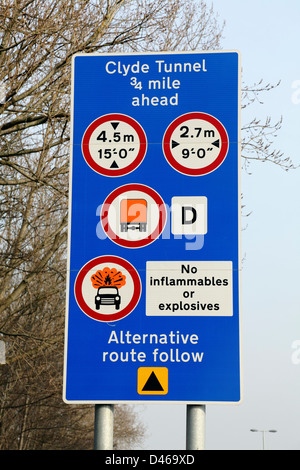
[[153, 304], [103, 428], [195, 427]]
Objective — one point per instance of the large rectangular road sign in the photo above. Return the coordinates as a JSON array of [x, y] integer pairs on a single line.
[[154, 229]]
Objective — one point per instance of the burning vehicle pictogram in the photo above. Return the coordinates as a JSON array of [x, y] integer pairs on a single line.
[[108, 281]]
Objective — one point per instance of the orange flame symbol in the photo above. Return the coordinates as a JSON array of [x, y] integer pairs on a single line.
[[108, 277]]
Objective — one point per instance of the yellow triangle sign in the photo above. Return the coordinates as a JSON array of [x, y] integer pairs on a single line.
[[152, 381]]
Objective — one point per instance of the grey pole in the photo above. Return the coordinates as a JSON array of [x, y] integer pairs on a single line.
[[104, 424], [263, 435], [195, 427]]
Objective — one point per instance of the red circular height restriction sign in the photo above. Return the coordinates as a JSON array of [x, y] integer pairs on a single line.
[[114, 145]]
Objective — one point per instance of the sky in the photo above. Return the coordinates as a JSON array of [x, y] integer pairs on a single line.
[[266, 32]]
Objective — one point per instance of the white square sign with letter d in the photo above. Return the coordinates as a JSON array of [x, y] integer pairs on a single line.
[[189, 215]]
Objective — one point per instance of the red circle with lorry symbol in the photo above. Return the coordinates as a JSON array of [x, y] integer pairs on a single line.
[[133, 214]]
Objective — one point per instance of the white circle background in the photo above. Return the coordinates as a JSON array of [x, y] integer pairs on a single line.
[[123, 129], [193, 161]]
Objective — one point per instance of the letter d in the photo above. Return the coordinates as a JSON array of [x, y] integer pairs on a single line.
[[188, 219]]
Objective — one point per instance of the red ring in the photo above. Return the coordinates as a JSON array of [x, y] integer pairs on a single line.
[[122, 313], [106, 171], [136, 243]]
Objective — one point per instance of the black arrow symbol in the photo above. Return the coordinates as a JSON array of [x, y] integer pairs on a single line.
[[115, 125], [152, 384], [174, 144], [216, 143]]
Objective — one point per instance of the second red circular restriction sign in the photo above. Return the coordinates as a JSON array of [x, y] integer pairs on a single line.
[[195, 144], [114, 145]]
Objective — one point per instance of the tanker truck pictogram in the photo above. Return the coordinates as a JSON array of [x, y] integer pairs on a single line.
[[133, 215]]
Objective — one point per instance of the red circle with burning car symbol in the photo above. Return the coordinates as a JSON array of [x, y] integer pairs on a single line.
[[107, 288]]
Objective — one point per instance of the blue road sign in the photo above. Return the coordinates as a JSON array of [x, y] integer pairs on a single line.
[[154, 229]]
